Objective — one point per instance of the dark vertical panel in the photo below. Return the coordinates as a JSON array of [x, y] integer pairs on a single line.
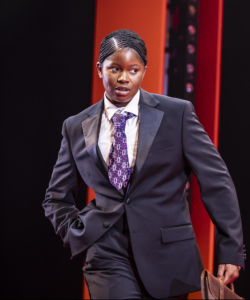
[[46, 71], [234, 134]]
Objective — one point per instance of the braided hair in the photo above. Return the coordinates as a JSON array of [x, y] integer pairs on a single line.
[[121, 39]]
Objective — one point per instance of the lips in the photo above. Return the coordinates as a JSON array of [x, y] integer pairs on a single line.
[[122, 91], [122, 88]]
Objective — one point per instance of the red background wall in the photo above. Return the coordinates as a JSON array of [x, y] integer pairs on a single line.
[[207, 109]]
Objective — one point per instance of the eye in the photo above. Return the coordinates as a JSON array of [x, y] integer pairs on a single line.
[[114, 69], [133, 71]]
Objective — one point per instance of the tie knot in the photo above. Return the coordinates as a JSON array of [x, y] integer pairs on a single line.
[[119, 120]]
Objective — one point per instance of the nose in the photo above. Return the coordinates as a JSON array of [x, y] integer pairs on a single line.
[[123, 78]]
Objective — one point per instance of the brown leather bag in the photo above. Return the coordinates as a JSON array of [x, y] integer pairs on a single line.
[[213, 288]]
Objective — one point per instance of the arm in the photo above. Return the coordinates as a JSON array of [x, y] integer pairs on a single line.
[[217, 189], [59, 203]]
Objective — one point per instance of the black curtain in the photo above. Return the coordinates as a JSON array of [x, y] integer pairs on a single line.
[[46, 64], [46, 71], [234, 135]]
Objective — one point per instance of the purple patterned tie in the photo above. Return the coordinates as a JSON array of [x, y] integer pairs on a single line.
[[119, 170]]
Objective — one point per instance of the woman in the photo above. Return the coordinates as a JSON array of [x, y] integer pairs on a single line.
[[136, 151]]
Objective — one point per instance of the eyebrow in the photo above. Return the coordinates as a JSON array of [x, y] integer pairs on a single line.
[[112, 63]]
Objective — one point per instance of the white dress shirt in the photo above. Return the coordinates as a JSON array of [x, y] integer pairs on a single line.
[[106, 135]]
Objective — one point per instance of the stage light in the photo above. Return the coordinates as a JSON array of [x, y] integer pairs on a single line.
[[182, 48], [191, 29], [189, 87], [190, 48], [192, 10], [190, 68]]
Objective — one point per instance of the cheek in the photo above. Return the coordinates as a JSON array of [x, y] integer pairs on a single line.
[[137, 80], [108, 82]]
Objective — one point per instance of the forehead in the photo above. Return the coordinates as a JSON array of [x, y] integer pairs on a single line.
[[125, 55]]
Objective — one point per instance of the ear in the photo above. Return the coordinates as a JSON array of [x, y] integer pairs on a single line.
[[99, 69], [145, 68]]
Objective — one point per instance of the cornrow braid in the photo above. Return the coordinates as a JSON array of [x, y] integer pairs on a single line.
[[120, 39]]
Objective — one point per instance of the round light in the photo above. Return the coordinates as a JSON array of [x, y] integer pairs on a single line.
[[192, 10], [189, 87], [191, 29], [190, 68], [191, 49]]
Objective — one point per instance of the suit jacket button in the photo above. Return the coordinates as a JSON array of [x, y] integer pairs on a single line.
[[128, 201], [106, 224]]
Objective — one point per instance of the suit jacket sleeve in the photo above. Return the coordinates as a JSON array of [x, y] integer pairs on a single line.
[[217, 189], [59, 203]]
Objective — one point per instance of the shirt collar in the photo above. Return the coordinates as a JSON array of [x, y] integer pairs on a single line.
[[132, 107]]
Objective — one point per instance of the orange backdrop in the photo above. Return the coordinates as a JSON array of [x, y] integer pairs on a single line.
[[148, 19]]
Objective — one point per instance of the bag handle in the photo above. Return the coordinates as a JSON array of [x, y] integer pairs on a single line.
[[221, 289]]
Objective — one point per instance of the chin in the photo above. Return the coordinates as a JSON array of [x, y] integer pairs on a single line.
[[121, 100]]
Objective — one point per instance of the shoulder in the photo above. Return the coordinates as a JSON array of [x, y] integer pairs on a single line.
[[76, 120], [171, 104], [166, 101]]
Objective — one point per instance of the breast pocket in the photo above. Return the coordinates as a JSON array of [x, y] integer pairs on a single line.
[[162, 145]]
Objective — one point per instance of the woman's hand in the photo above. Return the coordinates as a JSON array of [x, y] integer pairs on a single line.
[[228, 273]]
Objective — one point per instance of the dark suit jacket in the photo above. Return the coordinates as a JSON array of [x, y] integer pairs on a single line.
[[172, 143]]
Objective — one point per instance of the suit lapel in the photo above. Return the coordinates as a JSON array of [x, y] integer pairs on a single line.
[[91, 128], [150, 121]]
